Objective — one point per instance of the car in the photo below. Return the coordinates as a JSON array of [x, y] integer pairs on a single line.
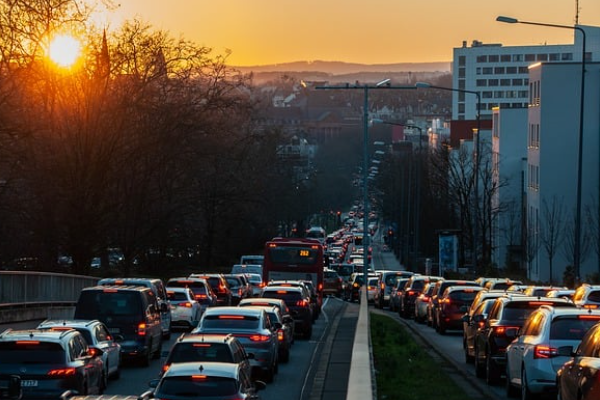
[[500, 283], [308, 289], [344, 271], [565, 293], [421, 302], [413, 289], [472, 322], [453, 305], [239, 287], [532, 359], [206, 380], [332, 283], [387, 282], [185, 310], [371, 289], [129, 311], [157, 286], [224, 348], [203, 293], [299, 304], [587, 296], [541, 291], [396, 293], [256, 283], [438, 291], [579, 377], [505, 318], [96, 335], [252, 327], [283, 331], [219, 286], [279, 303], [49, 362], [247, 269]]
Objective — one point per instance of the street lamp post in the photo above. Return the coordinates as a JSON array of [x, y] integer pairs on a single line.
[[477, 156], [384, 84], [577, 236]]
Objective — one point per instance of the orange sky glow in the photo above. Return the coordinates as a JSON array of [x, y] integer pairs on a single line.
[[262, 32]]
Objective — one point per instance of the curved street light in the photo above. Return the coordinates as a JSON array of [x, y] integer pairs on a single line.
[[577, 236]]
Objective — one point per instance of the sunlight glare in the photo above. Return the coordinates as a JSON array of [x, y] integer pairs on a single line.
[[64, 50]]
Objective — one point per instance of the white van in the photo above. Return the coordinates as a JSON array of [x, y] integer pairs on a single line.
[[247, 269], [255, 259]]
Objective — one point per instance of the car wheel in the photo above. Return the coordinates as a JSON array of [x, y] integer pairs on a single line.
[[269, 375], [479, 369], [525, 393], [103, 384], [468, 358], [147, 357], [492, 375], [511, 391], [158, 352], [441, 329]]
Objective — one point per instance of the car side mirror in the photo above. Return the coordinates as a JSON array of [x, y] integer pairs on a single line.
[[10, 387], [277, 325], [153, 383]]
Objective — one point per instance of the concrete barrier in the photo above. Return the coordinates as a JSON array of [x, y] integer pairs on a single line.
[[360, 383]]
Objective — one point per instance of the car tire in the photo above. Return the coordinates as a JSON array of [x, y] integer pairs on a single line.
[[511, 391], [156, 355], [525, 392], [492, 375], [479, 369], [468, 358]]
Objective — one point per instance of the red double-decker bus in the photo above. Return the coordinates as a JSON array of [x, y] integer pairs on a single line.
[[294, 259]]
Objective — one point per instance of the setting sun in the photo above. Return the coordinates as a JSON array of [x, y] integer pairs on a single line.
[[64, 50]]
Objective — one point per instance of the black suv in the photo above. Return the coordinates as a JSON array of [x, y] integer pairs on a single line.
[[209, 348], [506, 317], [297, 302], [51, 362], [131, 313]]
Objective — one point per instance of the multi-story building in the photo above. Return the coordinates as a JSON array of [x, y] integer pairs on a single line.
[[500, 73]]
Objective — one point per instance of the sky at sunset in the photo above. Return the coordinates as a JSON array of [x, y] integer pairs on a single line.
[[259, 32]]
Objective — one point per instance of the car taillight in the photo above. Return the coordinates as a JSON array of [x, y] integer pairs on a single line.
[[165, 367], [411, 292], [200, 296], [187, 304], [280, 335], [240, 292], [320, 287], [425, 299], [541, 351], [505, 330], [371, 287], [301, 303], [355, 284], [260, 338], [60, 372], [141, 329], [590, 306], [446, 301]]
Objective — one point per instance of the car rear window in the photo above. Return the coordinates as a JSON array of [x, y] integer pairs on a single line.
[[99, 304], [594, 296], [419, 284], [520, 310], [192, 352], [230, 322], [290, 297], [572, 327], [31, 352], [196, 387], [177, 296], [463, 295]]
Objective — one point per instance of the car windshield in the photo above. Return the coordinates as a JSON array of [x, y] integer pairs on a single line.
[[196, 387], [289, 297], [230, 322], [33, 352], [188, 352]]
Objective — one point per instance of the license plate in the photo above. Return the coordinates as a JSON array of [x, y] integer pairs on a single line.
[[114, 330], [29, 383]]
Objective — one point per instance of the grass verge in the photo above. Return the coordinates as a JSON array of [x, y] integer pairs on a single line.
[[404, 370]]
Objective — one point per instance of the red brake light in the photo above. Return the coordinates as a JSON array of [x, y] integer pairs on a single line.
[[425, 299], [411, 292], [503, 330], [260, 338], [198, 376], [590, 317], [301, 303], [544, 352], [187, 304], [200, 296], [27, 342], [590, 306], [280, 336], [201, 345], [231, 317], [166, 367], [141, 329], [61, 372]]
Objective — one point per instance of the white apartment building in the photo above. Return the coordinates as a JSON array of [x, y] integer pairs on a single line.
[[552, 155], [500, 73]]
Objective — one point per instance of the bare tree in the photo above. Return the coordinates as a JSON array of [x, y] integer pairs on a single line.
[[551, 230]]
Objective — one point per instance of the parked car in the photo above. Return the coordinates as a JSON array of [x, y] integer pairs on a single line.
[[504, 321], [129, 311], [97, 336], [579, 377], [224, 348], [453, 305], [253, 328], [206, 380], [532, 359], [41, 358], [185, 310]]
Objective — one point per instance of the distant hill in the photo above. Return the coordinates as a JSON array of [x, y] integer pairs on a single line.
[[342, 68]]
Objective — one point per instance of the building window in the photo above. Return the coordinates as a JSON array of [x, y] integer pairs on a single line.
[[588, 56], [461, 108], [492, 82], [493, 58], [525, 81], [523, 94], [462, 61], [461, 72], [504, 82], [481, 82], [488, 71], [523, 70], [461, 96], [529, 57], [511, 70], [542, 57], [517, 57], [517, 82], [487, 94], [478, 70], [554, 57], [511, 94], [498, 94], [505, 58], [481, 59], [566, 56], [499, 70]]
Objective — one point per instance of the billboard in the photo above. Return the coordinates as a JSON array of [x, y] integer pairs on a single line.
[[448, 252]]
